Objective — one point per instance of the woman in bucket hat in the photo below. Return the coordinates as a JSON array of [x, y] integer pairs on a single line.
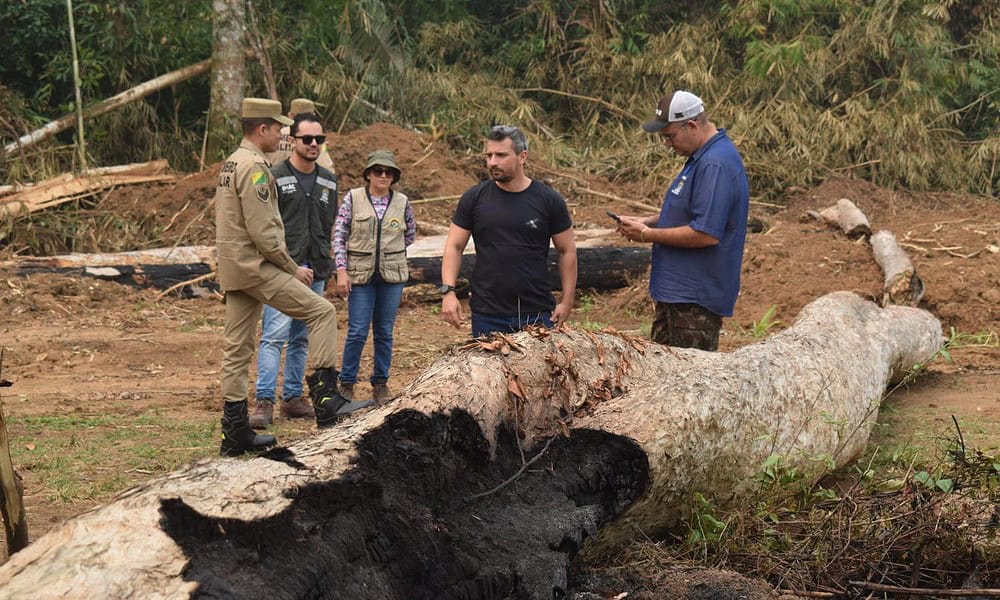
[[374, 226]]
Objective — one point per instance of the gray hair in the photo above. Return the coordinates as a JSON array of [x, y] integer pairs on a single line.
[[499, 133]]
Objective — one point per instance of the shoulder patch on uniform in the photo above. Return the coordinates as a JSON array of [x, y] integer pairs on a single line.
[[259, 178], [263, 193]]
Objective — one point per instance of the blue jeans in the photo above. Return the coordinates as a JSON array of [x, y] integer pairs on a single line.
[[278, 329], [373, 305], [487, 324]]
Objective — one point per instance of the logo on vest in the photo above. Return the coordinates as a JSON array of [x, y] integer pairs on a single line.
[[325, 196], [394, 224]]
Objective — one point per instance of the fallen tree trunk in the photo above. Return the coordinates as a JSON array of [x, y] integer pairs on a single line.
[[600, 268], [901, 283], [159, 268], [130, 95], [415, 499]]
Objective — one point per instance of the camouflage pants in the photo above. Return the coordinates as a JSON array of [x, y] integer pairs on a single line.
[[686, 326]]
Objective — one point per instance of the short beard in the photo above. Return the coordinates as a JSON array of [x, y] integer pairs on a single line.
[[307, 157], [502, 178]]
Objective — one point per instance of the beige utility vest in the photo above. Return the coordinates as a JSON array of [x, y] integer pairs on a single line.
[[373, 241]]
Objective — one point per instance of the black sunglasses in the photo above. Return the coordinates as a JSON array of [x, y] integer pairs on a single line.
[[383, 171], [308, 139]]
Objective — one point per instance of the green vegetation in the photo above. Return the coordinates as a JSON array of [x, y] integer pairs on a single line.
[[910, 521], [104, 454], [759, 329], [900, 92], [585, 304]]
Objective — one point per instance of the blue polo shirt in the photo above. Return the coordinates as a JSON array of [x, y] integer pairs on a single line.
[[711, 194]]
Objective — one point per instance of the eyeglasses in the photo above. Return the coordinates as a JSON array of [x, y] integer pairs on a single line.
[[308, 139], [669, 137], [383, 171]]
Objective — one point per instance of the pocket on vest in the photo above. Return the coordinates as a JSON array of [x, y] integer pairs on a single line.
[[394, 268]]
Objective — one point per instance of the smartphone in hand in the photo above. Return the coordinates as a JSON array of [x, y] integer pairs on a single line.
[[614, 216]]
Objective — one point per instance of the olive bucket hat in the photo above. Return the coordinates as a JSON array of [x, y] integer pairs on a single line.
[[383, 158]]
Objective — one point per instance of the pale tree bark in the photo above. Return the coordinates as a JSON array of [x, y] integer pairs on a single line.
[[118, 100], [902, 284], [846, 215], [415, 499], [228, 75]]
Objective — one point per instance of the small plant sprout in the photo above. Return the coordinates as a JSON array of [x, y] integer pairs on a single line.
[[759, 329]]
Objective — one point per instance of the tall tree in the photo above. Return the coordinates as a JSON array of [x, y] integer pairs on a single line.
[[228, 73]]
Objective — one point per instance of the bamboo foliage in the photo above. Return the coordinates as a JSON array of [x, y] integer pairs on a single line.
[[901, 92]]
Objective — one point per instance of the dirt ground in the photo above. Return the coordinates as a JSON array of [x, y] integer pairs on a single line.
[[113, 385]]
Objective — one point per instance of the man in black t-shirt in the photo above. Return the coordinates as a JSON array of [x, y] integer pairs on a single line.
[[512, 218]]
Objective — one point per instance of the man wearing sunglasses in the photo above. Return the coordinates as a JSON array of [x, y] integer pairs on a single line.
[[698, 236], [307, 202], [299, 106], [512, 218]]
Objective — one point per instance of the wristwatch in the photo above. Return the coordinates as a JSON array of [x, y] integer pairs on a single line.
[[445, 288]]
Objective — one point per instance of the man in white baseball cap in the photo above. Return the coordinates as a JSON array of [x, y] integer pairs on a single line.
[[698, 236], [679, 106]]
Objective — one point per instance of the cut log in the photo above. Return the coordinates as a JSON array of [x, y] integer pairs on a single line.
[[901, 284], [416, 499], [62, 190], [159, 268], [153, 256], [599, 268], [848, 217], [153, 167]]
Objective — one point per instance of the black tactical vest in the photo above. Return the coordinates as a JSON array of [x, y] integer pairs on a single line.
[[308, 219]]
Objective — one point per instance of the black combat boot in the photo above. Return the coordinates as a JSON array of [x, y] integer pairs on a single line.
[[237, 437], [330, 406]]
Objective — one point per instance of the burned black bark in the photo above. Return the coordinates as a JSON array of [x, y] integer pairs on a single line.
[[140, 276], [405, 521], [599, 268]]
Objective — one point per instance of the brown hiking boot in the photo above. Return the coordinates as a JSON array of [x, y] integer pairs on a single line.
[[263, 414], [347, 391], [297, 408], [381, 393]]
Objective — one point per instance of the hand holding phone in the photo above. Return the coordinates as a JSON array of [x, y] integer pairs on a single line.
[[614, 216]]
